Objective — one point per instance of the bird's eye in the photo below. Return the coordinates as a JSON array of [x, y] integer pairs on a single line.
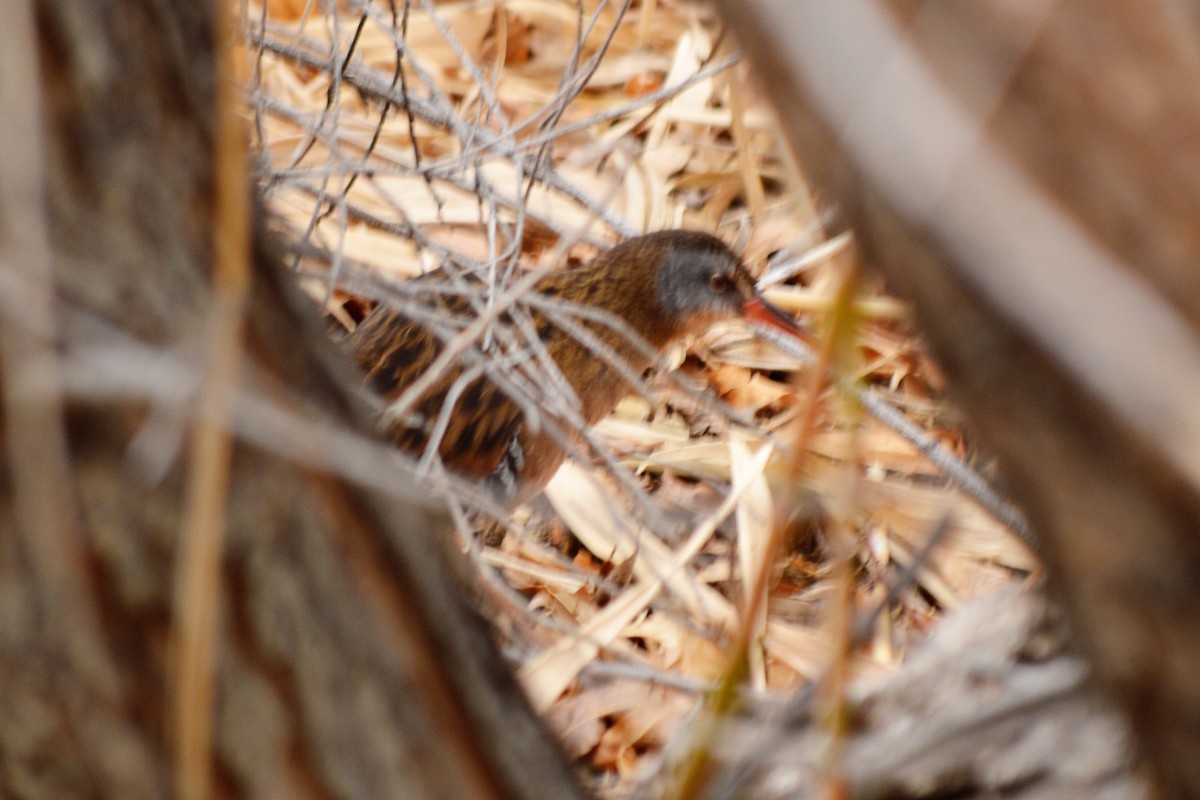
[[720, 282]]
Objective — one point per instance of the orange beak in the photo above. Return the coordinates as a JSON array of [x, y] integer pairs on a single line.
[[758, 310]]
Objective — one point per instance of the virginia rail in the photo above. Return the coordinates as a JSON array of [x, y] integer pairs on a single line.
[[661, 286]]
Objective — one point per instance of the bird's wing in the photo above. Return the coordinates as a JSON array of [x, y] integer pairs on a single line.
[[393, 350]]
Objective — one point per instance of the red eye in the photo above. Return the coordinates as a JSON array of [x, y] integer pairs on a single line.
[[720, 282]]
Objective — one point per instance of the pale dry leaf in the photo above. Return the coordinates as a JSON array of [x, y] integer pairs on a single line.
[[684, 649], [913, 511], [759, 393], [534, 574], [799, 300], [704, 460], [667, 431], [648, 711], [734, 344], [596, 519], [879, 447]]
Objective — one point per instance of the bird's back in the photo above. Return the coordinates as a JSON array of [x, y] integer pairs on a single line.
[[482, 432], [567, 357]]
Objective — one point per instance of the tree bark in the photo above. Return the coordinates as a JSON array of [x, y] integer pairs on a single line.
[[350, 662], [1027, 173]]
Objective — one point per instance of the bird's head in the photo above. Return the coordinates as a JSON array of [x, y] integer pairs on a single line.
[[701, 281]]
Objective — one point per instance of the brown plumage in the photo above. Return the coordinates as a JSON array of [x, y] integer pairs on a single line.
[[663, 286]]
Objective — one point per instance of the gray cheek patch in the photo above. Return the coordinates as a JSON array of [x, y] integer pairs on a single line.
[[683, 282]]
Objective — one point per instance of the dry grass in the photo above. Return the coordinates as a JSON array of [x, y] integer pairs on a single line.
[[510, 139]]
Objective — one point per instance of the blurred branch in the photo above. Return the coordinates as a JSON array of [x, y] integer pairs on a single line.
[[1026, 174]]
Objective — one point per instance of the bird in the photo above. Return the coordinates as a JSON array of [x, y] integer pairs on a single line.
[[662, 286]]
